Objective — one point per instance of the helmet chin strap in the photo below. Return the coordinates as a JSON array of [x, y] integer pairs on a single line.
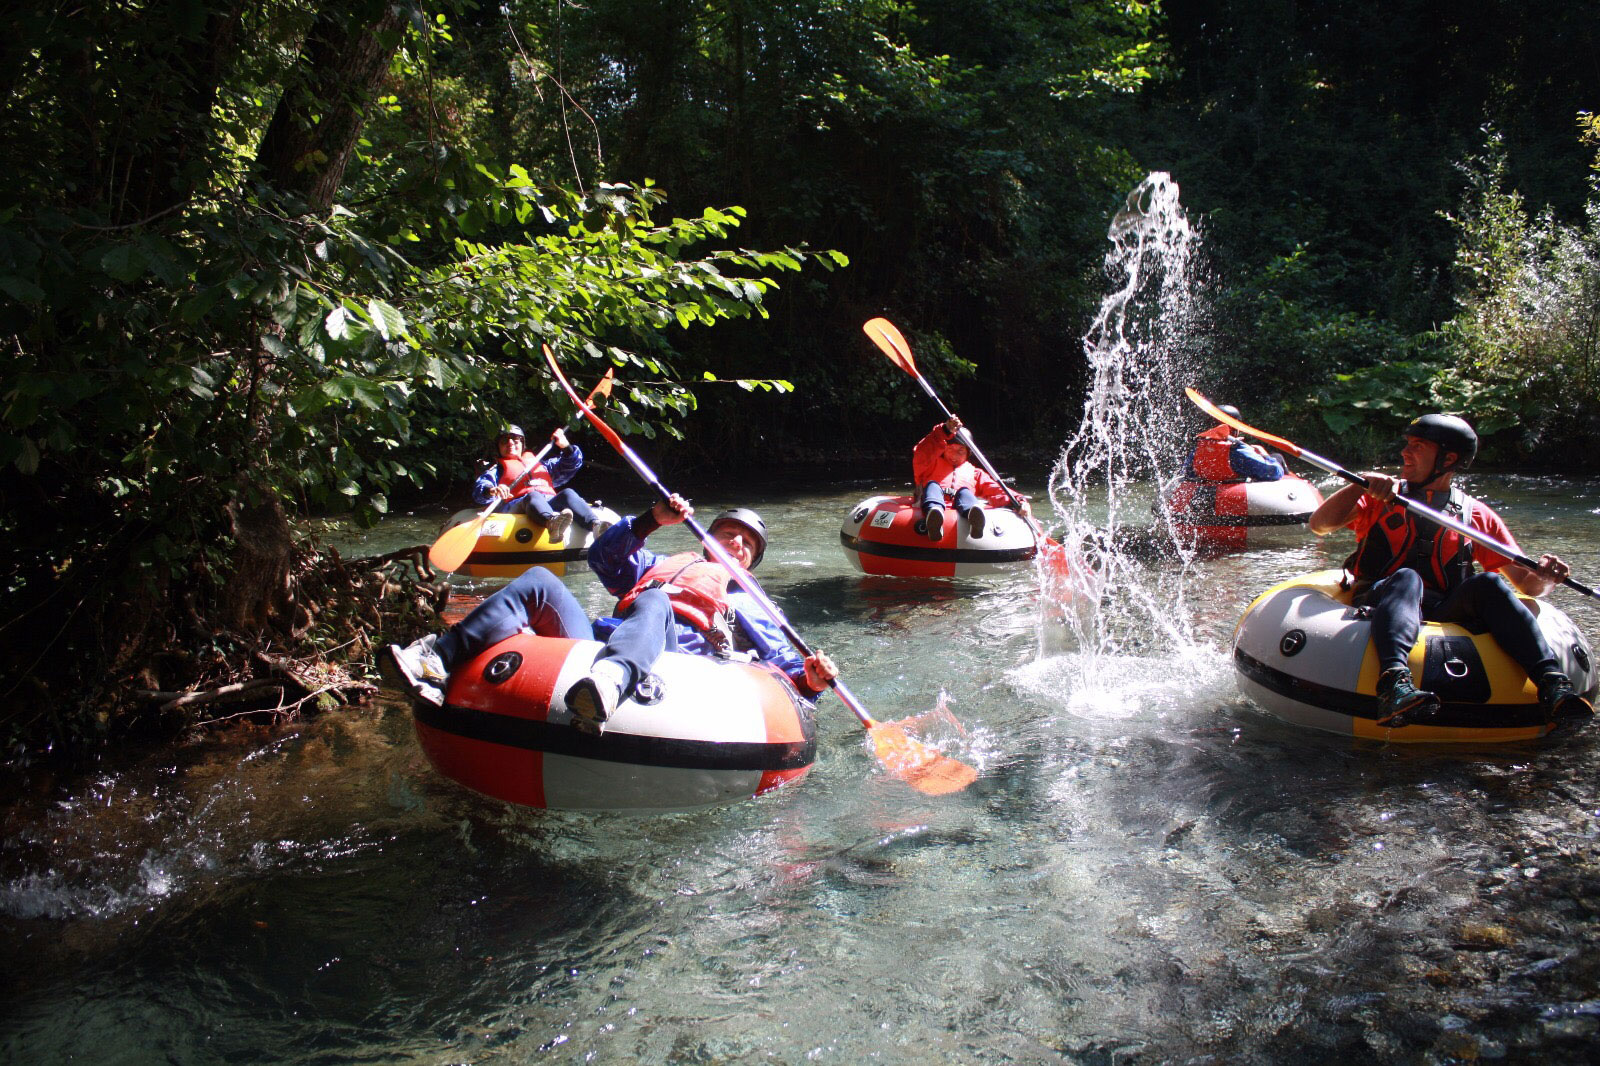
[[1440, 468]]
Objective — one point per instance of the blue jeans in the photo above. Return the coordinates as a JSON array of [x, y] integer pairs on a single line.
[[537, 600], [933, 496], [545, 507], [648, 629], [1481, 602]]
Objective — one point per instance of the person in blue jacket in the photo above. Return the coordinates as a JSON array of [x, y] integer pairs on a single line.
[[1220, 454], [667, 603], [526, 486], [682, 602]]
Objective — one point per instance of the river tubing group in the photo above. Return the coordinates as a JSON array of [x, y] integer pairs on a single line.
[[696, 689]]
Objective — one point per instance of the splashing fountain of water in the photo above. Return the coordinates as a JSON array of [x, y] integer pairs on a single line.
[[1134, 435]]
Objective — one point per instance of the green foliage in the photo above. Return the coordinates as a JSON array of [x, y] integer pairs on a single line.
[[170, 371]]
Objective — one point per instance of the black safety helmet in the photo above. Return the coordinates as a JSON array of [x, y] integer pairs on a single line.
[[1228, 409], [511, 430], [750, 520], [1451, 434]]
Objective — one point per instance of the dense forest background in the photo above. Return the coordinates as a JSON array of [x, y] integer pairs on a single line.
[[261, 259]]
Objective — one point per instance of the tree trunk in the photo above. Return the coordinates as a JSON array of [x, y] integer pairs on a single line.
[[319, 117]]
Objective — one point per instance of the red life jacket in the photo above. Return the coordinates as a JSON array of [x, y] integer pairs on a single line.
[[1398, 538], [511, 469], [1212, 460], [964, 476], [697, 587]]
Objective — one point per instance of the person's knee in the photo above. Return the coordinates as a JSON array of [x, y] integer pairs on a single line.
[[1403, 584]]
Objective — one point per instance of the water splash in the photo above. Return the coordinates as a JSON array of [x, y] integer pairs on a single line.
[[1135, 433]]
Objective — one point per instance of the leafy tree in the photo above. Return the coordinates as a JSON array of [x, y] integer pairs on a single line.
[[197, 348]]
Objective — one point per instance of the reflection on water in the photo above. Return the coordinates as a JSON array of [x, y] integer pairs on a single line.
[[1147, 870]]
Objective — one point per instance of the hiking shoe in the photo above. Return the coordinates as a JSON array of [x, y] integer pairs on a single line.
[[1560, 702], [1402, 703], [975, 522], [422, 669], [935, 523], [558, 524], [593, 699]]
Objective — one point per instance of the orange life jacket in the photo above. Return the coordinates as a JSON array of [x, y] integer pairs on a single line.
[[1399, 538], [511, 469], [1212, 460], [697, 587]]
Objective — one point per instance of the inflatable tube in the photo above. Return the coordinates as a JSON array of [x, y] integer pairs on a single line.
[[510, 543], [1243, 514], [702, 733], [1303, 654], [880, 537]]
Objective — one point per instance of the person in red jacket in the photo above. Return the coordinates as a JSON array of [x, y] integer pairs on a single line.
[[943, 473], [1406, 569]]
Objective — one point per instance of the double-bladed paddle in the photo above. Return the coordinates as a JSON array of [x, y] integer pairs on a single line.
[[918, 765], [456, 543]]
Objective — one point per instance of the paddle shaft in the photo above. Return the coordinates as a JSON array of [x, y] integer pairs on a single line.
[[1494, 544]]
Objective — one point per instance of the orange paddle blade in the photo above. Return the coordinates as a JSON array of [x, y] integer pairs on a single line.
[[918, 765], [454, 545], [603, 390], [1228, 420], [892, 343]]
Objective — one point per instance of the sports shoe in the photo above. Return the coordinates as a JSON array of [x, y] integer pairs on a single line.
[[593, 699], [1560, 702], [975, 522], [600, 526], [419, 664], [1402, 703], [935, 523], [558, 524]]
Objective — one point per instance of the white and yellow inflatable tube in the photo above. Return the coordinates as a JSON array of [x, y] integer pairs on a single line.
[[1303, 654], [510, 543]]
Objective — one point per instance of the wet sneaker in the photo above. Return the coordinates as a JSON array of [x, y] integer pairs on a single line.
[[975, 522], [935, 524], [1560, 702], [1401, 703], [421, 668], [558, 524], [593, 699]]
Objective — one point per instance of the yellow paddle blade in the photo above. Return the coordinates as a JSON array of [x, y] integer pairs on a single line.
[[918, 765], [892, 343], [454, 545]]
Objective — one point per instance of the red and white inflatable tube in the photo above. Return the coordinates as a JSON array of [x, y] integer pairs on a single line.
[[880, 537], [1243, 514], [704, 733]]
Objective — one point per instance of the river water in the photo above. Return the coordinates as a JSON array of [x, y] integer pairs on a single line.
[[1147, 870]]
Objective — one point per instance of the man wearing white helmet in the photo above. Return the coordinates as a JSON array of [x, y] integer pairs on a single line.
[[681, 602], [1406, 568], [677, 602]]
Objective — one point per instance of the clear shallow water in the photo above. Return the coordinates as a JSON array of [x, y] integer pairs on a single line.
[[1146, 871]]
